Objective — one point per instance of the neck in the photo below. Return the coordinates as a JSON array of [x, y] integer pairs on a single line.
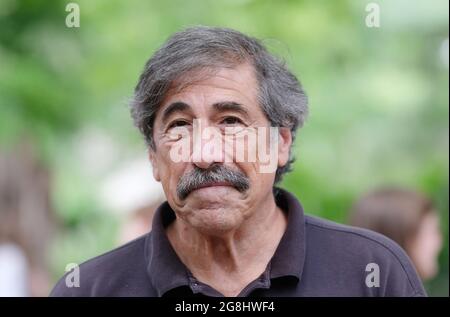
[[230, 261]]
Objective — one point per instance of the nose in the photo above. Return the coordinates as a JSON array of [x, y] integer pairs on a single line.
[[207, 149]]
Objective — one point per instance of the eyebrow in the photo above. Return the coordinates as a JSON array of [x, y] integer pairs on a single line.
[[180, 106], [231, 106], [177, 106]]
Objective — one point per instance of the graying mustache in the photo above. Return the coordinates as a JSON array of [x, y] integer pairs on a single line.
[[219, 173]]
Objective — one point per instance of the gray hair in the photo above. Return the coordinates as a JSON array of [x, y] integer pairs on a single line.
[[280, 94]]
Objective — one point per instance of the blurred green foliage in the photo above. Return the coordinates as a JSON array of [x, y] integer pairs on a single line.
[[378, 96]]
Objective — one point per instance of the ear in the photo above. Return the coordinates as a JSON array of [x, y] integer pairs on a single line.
[[284, 145], [155, 169]]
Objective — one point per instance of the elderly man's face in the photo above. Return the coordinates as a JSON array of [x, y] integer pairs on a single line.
[[222, 202]]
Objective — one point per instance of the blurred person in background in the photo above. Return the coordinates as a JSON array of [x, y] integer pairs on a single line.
[[26, 222], [407, 217]]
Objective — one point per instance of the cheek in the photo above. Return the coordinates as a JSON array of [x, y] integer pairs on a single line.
[[427, 247], [430, 237], [434, 243], [257, 177], [255, 147], [169, 171]]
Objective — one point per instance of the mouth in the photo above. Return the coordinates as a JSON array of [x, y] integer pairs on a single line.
[[214, 184]]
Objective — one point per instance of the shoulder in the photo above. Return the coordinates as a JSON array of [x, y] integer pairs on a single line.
[[360, 249], [119, 272], [353, 236]]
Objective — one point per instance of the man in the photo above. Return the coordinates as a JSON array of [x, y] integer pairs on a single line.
[[225, 230]]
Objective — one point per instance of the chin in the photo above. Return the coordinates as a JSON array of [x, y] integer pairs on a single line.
[[216, 221]]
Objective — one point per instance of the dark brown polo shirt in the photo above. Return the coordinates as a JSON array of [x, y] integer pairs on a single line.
[[315, 257]]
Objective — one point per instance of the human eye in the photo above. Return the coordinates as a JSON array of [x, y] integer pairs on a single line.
[[231, 121], [177, 130], [177, 124]]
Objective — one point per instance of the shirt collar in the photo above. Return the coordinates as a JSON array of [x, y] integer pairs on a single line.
[[289, 256], [167, 272]]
